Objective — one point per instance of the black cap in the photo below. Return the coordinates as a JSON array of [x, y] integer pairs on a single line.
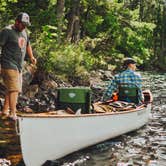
[[24, 18], [128, 61]]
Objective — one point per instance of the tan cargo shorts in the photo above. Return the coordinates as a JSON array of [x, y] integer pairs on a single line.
[[12, 80]]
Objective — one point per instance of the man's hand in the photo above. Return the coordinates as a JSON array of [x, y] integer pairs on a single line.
[[33, 60], [30, 54]]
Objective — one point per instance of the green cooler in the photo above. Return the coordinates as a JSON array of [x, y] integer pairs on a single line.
[[74, 98]]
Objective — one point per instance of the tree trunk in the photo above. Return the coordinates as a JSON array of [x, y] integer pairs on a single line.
[[73, 32], [60, 18], [162, 55], [141, 10]]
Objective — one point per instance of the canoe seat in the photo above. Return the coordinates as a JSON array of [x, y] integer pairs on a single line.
[[74, 98], [128, 93]]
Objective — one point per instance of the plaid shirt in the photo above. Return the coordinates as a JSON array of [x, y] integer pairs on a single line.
[[126, 77]]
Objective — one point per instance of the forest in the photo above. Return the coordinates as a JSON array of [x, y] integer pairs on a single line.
[[70, 38]]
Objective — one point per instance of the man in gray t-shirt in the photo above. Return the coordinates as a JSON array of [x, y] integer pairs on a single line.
[[14, 44]]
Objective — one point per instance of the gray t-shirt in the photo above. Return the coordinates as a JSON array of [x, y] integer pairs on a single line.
[[13, 48]]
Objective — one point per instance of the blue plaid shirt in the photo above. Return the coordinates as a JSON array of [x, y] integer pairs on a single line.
[[126, 77]]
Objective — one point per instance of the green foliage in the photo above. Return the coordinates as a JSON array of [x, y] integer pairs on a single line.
[[127, 36], [46, 40], [93, 23], [137, 40], [111, 21], [109, 30], [4, 3], [69, 60]]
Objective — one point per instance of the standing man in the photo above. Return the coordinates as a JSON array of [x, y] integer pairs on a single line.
[[127, 77], [14, 44]]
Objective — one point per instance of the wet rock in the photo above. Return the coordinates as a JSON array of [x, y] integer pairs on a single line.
[[81, 79], [99, 81], [107, 76], [23, 101], [26, 109], [32, 90], [27, 75], [48, 84], [38, 100], [96, 78]]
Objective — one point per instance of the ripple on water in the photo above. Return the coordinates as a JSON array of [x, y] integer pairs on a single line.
[[161, 152], [163, 120], [162, 143]]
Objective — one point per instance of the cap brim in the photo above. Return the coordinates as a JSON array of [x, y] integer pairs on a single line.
[[27, 24]]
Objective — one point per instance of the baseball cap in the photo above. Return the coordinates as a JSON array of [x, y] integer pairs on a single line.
[[24, 18], [128, 61]]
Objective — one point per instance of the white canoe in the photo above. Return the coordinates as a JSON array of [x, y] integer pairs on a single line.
[[49, 137]]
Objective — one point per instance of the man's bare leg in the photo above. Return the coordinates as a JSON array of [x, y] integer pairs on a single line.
[[12, 103], [5, 109]]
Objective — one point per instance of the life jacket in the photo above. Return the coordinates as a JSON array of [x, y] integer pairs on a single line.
[[115, 96]]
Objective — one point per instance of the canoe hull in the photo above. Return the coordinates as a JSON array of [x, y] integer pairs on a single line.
[[48, 138]]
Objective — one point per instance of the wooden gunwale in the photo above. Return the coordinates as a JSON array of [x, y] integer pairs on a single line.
[[47, 115]]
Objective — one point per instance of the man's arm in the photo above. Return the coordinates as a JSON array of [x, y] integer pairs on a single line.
[[3, 37], [139, 85], [30, 54], [111, 88], [3, 40]]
